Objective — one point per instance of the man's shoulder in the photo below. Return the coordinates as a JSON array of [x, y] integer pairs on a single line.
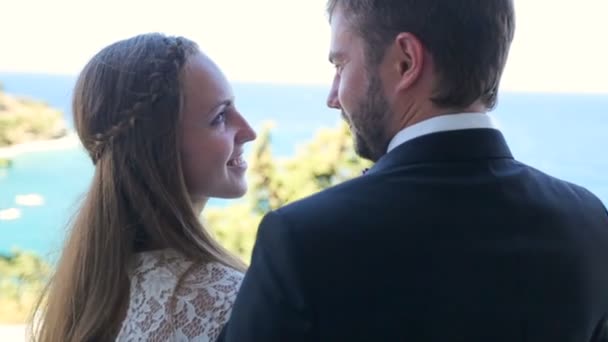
[[332, 199], [347, 208], [375, 191], [566, 188]]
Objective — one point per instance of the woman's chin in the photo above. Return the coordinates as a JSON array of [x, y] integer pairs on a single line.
[[233, 192]]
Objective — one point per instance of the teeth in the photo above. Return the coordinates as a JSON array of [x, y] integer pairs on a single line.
[[236, 162]]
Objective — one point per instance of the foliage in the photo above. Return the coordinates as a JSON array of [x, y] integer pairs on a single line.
[[327, 160], [273, 182], [22, 276], [5, 163], [23, 120]]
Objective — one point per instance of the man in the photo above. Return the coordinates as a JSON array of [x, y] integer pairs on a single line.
[[447, 237]]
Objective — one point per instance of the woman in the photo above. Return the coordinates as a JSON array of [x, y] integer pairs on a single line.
[[158, 119]]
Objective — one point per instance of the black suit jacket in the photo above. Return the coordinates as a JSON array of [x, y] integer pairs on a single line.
[[446, 238]]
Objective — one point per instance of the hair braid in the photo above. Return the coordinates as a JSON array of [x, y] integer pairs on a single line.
[[162, 81]]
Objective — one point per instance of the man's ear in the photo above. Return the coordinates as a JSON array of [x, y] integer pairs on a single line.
[[410, 54]]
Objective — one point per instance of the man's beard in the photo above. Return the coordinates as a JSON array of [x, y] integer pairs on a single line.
[[368, 122]]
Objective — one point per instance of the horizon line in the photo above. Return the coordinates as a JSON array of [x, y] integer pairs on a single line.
[[505, 90]]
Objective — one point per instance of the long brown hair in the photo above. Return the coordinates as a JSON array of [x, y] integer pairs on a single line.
[[127, 104]]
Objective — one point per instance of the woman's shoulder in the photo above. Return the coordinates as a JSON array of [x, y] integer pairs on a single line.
[[166, 269], [212, 274], [178, 298], [165, 264]]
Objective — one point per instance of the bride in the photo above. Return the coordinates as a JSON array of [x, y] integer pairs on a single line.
[[158, 119]]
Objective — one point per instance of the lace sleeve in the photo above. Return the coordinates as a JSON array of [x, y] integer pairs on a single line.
[[196, 310]]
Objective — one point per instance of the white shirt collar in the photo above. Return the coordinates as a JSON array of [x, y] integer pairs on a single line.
[[449, 122]]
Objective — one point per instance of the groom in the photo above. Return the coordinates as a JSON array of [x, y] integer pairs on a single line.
[[447, 237]]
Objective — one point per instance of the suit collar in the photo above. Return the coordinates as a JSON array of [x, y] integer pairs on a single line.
[[447, 146], [442, 123]]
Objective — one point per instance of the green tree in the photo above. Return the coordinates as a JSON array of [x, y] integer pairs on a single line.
[[23, 120], [262, 179], [22, 276], [327, 160]]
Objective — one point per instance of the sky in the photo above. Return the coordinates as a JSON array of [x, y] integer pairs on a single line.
[[559, 46]]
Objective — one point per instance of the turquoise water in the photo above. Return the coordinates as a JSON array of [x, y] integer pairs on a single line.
[[563, 134], [61, 178]]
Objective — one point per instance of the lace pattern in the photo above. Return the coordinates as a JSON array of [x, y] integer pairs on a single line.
[[195, 311]]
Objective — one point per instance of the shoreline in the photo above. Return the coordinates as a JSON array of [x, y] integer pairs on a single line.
[[67, 141]]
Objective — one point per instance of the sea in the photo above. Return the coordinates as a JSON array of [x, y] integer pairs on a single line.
[[563, 134]]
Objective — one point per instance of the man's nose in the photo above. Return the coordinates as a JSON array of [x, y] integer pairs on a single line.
[[332, 98]]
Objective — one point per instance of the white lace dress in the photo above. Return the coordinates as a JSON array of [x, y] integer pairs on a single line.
[[196, 310]]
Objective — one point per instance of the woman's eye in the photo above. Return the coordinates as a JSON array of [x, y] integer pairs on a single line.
[[219, 119]]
